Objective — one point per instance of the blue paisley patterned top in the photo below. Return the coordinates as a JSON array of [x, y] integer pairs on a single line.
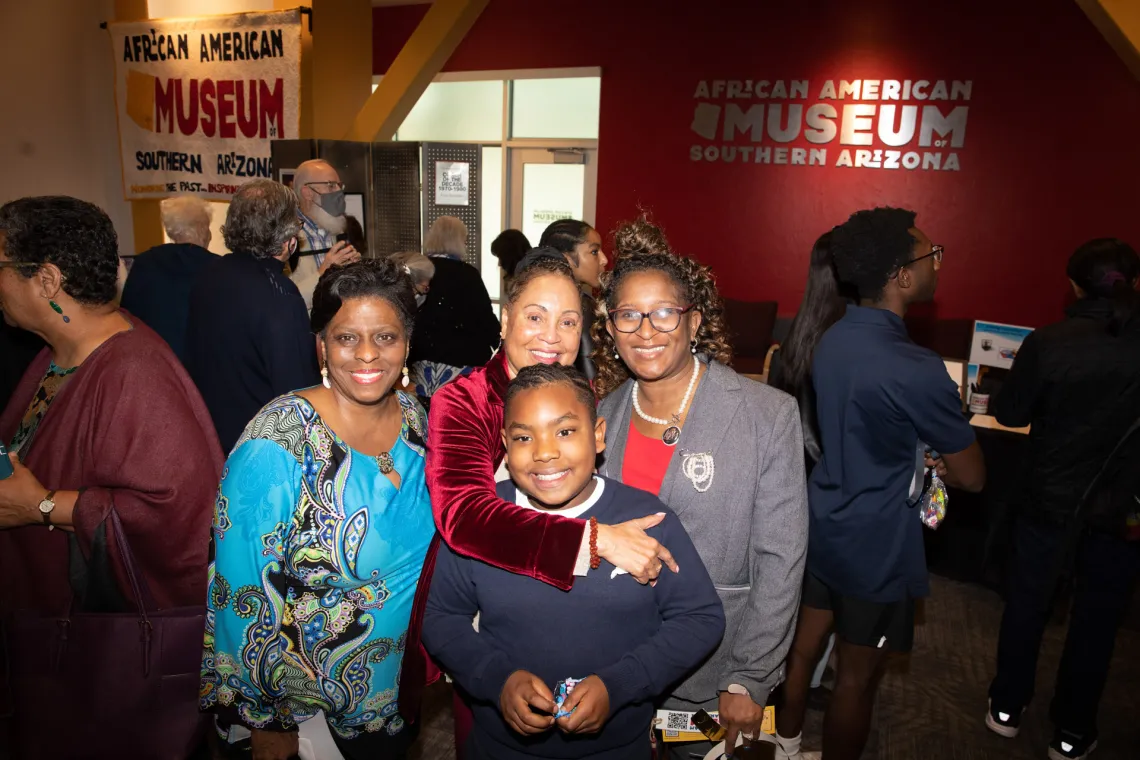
[[316, 559]]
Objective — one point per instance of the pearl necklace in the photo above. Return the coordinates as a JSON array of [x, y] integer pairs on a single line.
[[672, 433]]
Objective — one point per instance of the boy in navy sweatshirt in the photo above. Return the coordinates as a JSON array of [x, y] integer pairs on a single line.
[[627, 641]]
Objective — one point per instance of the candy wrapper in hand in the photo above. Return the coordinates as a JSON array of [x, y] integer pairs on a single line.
[[933, 508], [561, 692]]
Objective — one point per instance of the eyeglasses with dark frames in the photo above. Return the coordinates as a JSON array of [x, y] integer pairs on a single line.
[[935, 251], [332, 186], [666, 319]]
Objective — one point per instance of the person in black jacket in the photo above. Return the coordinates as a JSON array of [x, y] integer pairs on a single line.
[[158, 287], [1077, 383], [247, 337], [456, 328]]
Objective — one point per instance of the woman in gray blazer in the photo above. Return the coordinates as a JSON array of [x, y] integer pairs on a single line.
[[725, 453]]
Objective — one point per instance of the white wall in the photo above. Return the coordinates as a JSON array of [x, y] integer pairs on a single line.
[[58, 135]]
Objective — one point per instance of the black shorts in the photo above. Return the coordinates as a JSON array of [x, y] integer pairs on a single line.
[[863, 623]]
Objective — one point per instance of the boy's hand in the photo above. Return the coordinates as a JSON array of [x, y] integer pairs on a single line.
[[521, 692], [592, 702]]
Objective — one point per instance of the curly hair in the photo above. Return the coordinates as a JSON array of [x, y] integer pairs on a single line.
[[367, 278], [74, 235], [262, 217], [536, 263], [542, 375], [640, 236], [565, 236], [697, 286], [871, 246]]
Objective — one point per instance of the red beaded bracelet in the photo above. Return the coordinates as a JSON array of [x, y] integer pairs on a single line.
[[595, 560]]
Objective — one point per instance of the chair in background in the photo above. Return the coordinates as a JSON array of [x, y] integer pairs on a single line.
[[750, 325]]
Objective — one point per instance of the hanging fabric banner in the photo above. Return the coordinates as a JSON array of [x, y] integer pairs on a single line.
[[199, 100]]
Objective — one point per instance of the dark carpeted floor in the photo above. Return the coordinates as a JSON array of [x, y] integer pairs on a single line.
[[932, 703]]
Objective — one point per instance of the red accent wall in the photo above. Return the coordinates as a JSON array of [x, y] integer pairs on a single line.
[[1050, 157]]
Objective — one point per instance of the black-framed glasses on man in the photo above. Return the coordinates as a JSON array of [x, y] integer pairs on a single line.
[[665, 319], [935, 251], [325, 187], [18, 264]]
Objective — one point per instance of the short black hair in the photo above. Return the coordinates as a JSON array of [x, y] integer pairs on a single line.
[[378, 278], [509, 248], [564, 236], [542, 375], [871, 246], [75, 235], [1108, 268]]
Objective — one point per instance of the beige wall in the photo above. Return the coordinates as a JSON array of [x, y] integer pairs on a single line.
[[58, 135]]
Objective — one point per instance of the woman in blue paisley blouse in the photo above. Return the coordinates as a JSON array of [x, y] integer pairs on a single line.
[[320, 529]]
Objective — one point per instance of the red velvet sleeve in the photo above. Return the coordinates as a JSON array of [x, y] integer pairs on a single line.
[[464, 445]]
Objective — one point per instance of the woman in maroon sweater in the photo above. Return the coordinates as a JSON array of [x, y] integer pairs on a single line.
[[541, 323], [104, 421]]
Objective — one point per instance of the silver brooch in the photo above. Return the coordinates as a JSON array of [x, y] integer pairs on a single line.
[[698, 468]]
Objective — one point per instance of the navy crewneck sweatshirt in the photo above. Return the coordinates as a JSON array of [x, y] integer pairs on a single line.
[[637, 639]]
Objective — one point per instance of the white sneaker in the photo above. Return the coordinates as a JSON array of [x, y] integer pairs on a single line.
[[1003, 723]]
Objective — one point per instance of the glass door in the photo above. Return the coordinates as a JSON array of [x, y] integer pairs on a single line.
[[547, 184]]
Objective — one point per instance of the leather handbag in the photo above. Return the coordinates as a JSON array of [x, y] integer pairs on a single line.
[[90, 685]]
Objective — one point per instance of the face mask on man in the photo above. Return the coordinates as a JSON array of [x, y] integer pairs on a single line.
[[332, 203]]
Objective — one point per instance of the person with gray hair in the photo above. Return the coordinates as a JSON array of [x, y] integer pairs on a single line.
[[157, 290], [324, 225], [248, 339], [456, 328], [420, 268]]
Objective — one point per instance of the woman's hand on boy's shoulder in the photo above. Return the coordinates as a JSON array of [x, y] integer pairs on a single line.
[[589, 706], [627, 546], [521, 692]]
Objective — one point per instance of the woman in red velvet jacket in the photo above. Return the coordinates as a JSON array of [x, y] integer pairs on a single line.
[[541, 322]]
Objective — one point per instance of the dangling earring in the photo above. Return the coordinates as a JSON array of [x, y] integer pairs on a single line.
[[325, 377], [55, 307], [693, 346], [616, 354], [405, 381]]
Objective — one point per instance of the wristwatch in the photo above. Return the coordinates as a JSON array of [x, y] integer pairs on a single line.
[[46, 508]]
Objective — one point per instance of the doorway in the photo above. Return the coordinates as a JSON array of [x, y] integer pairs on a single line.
[[548, 184]]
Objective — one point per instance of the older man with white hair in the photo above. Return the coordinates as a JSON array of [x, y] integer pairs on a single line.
[[321, 210], [157, 291]]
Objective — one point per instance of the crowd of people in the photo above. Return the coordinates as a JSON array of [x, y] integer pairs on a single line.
[[345, 476]]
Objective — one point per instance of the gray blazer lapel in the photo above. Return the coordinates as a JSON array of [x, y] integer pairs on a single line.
[[715, 405], [617, 432]]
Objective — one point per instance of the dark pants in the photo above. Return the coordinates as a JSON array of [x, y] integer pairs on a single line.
[[1106, 571]]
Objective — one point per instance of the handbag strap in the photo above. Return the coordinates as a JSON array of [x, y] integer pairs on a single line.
[[129, 564], [114, 525]]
